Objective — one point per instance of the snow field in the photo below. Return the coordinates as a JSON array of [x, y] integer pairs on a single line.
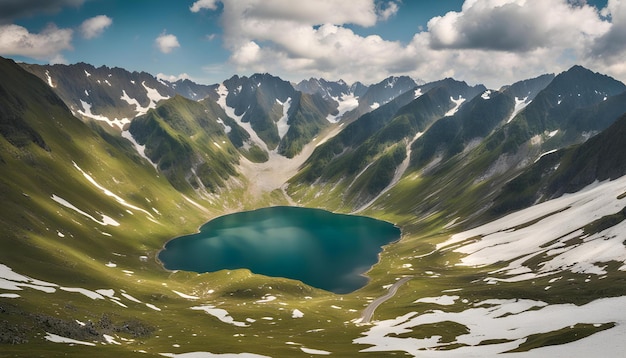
[[510, 321], [554, 225]]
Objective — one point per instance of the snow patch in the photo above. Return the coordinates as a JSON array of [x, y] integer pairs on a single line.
[[283, 122], [10, 280], [297, 314], [49, 79], [110, 339], [105, 219], [486, 95], [227, 129], [418, 93], [84, 292], [267, 298], [153, 95], [546, 153], [346, 103], [189, 297], [222, 91], [59, 339], [130, 298], [457, 104], [315, 351], [509, 321], [444, 300], [133, 102], [151, 306], [86, 112], [555, 225], [141, 149], [9, 295], [109, 193], [220, 314], [520, 103], [375, 105]]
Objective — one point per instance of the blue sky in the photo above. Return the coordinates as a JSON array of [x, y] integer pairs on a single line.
[[494, 42]]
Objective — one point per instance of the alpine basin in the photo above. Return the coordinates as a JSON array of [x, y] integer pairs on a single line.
[[322, 249]]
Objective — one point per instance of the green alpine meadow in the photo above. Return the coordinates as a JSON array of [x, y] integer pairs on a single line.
[[277, 213]]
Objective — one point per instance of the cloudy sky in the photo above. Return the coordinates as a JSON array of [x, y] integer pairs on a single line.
[[494, 42]]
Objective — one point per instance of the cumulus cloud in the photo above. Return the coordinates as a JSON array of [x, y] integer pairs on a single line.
[[166, 43], [391, 9], [11, 9], [515, 25], [609, 50], [95, 26], [46, 45], [203, 4], [494, 42], [172, 78], [305, 37], [613, 42]]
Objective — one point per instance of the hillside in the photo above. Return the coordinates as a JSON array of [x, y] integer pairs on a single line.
[[361, 160], [113, 96], [567, 170]]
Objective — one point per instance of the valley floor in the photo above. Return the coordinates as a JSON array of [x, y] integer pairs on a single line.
[[479, 294], [264, 178]]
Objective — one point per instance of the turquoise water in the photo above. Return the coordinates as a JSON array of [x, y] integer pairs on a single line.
[[322, 249]]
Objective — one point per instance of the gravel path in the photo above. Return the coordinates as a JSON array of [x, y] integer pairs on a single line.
[[368, 312]]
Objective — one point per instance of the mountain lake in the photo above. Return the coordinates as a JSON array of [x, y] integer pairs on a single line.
[[322, 249]]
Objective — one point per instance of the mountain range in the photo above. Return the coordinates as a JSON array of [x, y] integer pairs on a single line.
[[102, 166]]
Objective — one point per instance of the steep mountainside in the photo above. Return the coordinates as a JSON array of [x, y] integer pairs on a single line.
[[327, 89], [112, 95], [569, 92], [365, 155], [346, 98], [474, 121], [568, 170], [186, 142], [466, 183], [379, 94], [276, 116], [74, 200]]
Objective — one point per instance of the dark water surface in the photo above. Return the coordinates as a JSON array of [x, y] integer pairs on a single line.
[[322, 249]]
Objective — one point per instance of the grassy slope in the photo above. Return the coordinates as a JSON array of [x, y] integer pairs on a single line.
[[32, 222]]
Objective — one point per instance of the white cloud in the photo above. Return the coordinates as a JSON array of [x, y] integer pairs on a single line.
[[609, 51], [173, 78], [515, 25], [203, 4], [46, 45], [494, 42], [166, 43], [306, 37], [95, 26], [247, 54], [391, 9]]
